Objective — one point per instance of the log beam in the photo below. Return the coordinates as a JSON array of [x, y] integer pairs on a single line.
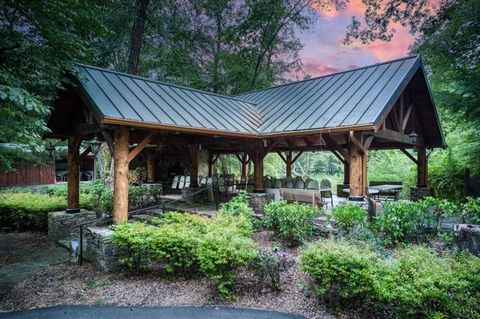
[[194, 165], [422, 167], [358, 167], [120, 178], [140, 146], [73, 182], [150, 168]]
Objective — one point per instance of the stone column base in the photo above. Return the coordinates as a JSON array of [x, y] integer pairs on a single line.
[[60, 224], [468, 237], [417, 193], [258, 201], [197, 198], [340, 188], [100, 251]]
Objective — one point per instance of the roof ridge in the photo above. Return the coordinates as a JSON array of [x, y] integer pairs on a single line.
[[164, 83], [327, 75]]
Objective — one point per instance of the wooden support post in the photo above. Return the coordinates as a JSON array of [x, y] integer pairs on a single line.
[[244, 162], [194, 165], [150, 168], [346, 173], [257, 155], [422, 167], [288, 162], [73, 161], [120, 178], [358, 168]]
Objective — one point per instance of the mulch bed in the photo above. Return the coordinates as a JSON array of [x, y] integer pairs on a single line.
[[16, 246], [74, 285]]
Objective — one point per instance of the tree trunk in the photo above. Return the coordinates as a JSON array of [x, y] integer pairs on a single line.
[[138, 31]]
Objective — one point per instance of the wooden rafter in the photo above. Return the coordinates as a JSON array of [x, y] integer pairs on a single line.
[[297, 156], [395, 136], [355, 141], [140, 146], [108, 139], [410, 156], [334, 145]]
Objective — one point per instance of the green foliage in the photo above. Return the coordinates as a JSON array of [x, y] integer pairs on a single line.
[[133, 239], [238, 205], [291, 222], [348, 216], [267, 267], [190, 244], [341, 270], [471, 211], [27, 210], [220, 253], [414, 283]]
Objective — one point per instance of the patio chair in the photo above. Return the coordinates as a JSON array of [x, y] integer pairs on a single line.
[[203, 181], [326, 191], [175, 182], [199, 179], [268, 183], [277, 183], [299, 185], [221, 185], [312, 185], [288, 183], [187, 181], [181, 182]]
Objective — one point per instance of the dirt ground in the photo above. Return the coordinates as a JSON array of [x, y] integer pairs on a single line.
[[84, 285], [17, 246]]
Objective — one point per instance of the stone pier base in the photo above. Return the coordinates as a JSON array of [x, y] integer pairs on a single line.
[[417, 193], [61, 224], [468, 237], [197, 198], [100, 251], [258, 201]]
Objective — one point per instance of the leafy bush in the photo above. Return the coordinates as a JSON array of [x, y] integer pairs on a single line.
[[413, 283], [267, 266], [343, 271], [401, 222], [133, 239], [238, 205], [291, 222], [471, 211], [348, 216], [28, 210], [221, 252], [190, 244]]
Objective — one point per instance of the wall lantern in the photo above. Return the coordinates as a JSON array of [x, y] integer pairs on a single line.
[[50, 150], [95, 145], [413, 137]]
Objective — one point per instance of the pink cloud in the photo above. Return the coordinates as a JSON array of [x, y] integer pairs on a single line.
[[324, 51]]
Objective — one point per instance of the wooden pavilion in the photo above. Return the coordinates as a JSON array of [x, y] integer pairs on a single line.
[[383, 106]]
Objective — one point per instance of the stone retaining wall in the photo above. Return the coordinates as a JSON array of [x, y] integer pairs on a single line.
[[100, 250], [417, 193], [257, 201], [468, 238], [61, 224]]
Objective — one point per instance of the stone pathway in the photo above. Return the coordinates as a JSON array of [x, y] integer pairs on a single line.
[[26, 263]]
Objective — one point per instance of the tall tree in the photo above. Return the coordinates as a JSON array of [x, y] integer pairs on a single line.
[[138, 31]]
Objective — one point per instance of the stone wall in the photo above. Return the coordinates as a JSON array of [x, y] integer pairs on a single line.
[[468, 237], [417, 193], [257, 201], [61, 224], [100, 250]]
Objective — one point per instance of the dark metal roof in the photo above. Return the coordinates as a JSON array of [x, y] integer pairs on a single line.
[[123, 96], [350, 98]]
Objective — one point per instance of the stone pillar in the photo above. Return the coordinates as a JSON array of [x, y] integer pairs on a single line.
[[150, 168], [120, 178], [100, 250], [417, 193], [73, 160], [358, 170], [257, 201]]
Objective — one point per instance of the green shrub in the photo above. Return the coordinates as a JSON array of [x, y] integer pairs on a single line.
[[28, 210], [342, 271], [348, 216], [238, 205], [413, 283], [221, 252], [291, 222], [175, 242], [471, 211], [133, 240], [401, 222]]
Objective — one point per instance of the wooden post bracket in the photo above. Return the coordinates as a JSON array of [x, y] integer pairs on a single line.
[[140, 146]]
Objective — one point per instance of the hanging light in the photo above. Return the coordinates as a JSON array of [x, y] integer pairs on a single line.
[[50, 150], [413, 137], [95, 145]]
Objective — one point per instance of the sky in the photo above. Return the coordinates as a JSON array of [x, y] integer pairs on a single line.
[[324, 52]]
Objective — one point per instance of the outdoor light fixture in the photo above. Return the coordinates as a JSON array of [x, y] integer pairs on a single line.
[[95, 145], [50, 149], [413, 137]]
